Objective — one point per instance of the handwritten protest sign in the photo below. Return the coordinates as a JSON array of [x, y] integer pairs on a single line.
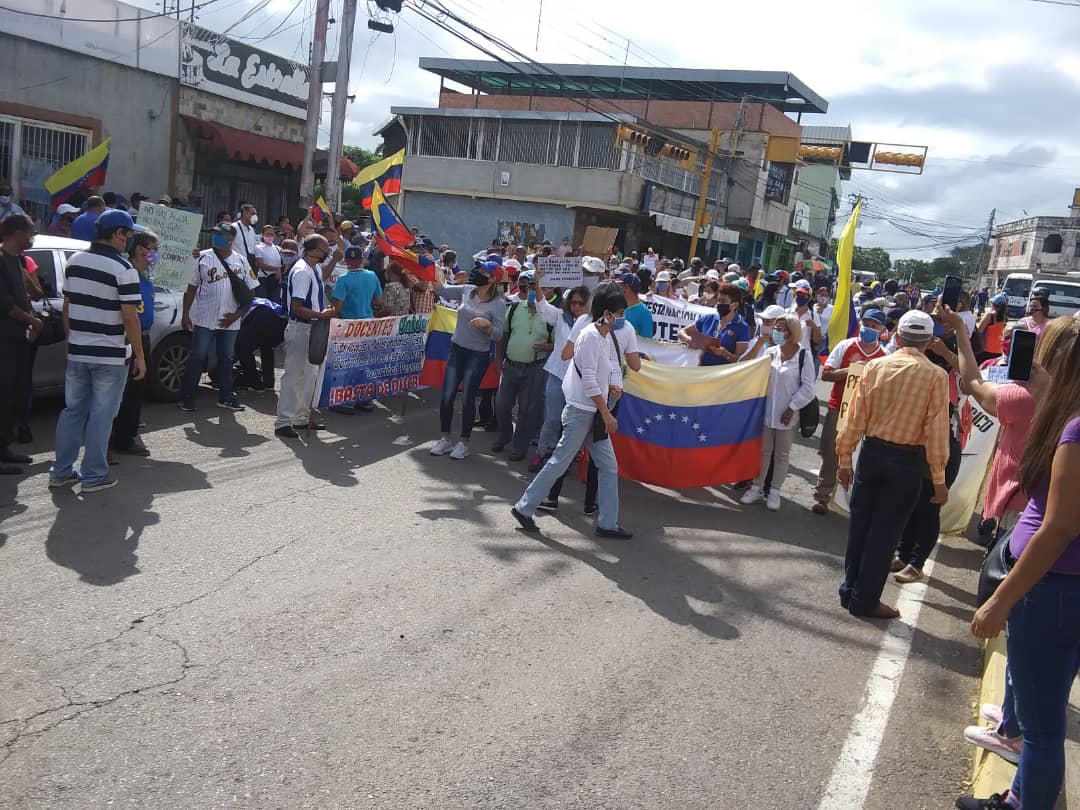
[[851, 388], [375, 357], [671, 314], [561, 271], [178, 233], [598, 241]]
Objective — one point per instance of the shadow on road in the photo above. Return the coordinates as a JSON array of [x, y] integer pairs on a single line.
[[98, 535]]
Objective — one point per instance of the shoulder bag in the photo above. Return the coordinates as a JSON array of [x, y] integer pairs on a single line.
[[997, 565], [809, 414], [240, 290]]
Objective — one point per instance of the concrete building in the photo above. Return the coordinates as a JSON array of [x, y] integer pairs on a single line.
[[187, 109], [818, 193], [1049, 245], [540, 151]]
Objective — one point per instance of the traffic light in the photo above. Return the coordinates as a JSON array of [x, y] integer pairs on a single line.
[[833, 154], [900, 158], [632, 136], [679, 153]]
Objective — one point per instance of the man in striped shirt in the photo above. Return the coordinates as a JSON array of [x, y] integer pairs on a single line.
[[101, 313]]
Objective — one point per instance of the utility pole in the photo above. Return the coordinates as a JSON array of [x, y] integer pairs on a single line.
[[728, 165], [314, 105], [337, 111], [984, 246], [706, 176]]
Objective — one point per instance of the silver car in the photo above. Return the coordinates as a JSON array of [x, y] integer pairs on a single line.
[[169, 344]]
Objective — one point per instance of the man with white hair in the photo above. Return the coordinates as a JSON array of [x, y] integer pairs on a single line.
[[901, 412]]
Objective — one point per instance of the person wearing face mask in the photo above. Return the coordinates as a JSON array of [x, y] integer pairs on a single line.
[[246, 237], [587, 418], [212, 314], [8, 206], [823, 307], [861, 349], [765, 333], [811, 325], [1038, 312], [661, 286], [480, 319], [725, 336], [268, 264], [307, 304], [143, 254], [791, 386]]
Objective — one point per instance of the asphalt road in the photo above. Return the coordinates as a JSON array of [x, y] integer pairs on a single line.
[[352, 623]]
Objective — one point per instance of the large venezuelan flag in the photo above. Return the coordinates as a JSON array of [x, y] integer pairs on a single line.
[[692, 427], [437, 350], [419, 264], [88, 170], [386, 173], [843, 324], [387, 222]]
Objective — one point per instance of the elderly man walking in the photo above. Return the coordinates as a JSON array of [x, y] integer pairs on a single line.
[[901, 411]]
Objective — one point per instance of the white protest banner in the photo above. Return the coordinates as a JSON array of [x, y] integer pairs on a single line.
[[177, 233], [560, 271], [672, 314], [668, 354], [375, 357]]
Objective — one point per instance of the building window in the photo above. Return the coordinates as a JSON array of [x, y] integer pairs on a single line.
[[1023, 248], [778, 183], [1052, 244], [30, 151]]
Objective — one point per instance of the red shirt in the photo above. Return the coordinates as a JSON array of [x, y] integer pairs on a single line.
[[843, 355]]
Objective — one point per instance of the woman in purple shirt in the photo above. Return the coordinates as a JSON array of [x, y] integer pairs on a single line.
[[1040, 598]]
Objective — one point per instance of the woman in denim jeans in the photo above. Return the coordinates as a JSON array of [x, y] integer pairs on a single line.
[[479, 322], [1040, 597]]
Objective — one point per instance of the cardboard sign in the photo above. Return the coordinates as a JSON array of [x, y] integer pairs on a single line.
[[177, 233], [598, 241], [560, 271], [851, 389]]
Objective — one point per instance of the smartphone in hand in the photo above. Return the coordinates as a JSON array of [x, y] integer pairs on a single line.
[[1021, 355], [950, 294]]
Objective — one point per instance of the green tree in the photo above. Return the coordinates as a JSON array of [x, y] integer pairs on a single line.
[[351, 204], [873, 260], [362, 157], [918, 271]]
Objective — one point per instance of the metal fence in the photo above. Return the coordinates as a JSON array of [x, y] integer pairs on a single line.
[[30, 151]]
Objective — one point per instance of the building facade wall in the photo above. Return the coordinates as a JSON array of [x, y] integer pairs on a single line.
[[1018, 247], [816, 187], [132, 106], [469, 224]]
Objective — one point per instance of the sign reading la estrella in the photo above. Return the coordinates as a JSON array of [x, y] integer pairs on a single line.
[[232, 69]]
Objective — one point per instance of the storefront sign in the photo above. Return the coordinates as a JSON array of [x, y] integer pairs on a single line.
[[228, 68], [561, 271], [178, 233]]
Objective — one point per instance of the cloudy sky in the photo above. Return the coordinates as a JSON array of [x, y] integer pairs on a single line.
[[990, 86]]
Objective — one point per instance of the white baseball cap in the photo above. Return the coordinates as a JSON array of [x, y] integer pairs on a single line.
[[734, 268], [713, 274], [663, 275], [916, 324], [801, 284], [590, 264], [772, 312], [67, 209]]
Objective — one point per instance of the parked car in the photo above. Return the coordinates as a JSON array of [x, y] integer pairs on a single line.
[[169, 344]]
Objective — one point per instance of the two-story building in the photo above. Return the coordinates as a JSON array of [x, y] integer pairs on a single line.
[[818, 192], [551, 150]]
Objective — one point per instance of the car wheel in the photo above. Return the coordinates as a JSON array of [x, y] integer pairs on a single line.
[[167, 364]]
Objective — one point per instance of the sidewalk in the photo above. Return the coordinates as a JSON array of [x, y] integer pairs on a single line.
[[991, 773]]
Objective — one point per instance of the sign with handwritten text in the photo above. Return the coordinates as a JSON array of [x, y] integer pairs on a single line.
[[177, 232]]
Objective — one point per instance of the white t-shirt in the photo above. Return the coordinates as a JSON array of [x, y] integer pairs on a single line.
[[628, 344], [246, 240], [807, 318], [563, 334], [269, 255], [968, 318], [593, 359], [214, 297]]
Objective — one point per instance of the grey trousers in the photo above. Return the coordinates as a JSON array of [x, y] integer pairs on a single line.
[[826, 482], [523, 386]]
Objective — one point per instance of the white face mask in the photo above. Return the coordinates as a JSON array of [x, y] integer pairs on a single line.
[[254, 219]]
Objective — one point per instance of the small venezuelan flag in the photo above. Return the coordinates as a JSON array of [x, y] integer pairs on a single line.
[[320, 211], [88, 170], [692, 427], [387, 223], [386, 173], [437, 351], [418, 263]]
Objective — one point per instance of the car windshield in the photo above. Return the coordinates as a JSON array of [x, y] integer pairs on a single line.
[[1017, 287]]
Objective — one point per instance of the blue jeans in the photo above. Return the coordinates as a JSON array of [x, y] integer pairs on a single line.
[[201, 340], [577, 429], [1010, 726], [1044, 657], [464, 367], [92, 394], [554, 401]]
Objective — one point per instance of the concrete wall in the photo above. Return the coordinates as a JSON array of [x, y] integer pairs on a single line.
[[1018, 247], [135, 107], [547, 184], [468, 224], [815, 189]]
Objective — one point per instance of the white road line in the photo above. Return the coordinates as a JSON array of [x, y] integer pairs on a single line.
[[850, 780]]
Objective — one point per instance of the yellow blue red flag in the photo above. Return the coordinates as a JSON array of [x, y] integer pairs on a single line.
[[692, 427], [387, 222], [85, 171], [437, 351], [843, 324], [320, 211], [386, 174]]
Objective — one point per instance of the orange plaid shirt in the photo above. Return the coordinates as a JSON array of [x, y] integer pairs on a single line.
[[903, 399]]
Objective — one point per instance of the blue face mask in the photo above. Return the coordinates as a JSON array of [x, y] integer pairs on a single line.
[[868, 334], [662, 286], [619, 323], [530, 297], [219, 240], [5, 200], [779, 336]]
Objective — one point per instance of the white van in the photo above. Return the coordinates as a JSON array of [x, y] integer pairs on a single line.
[[1064, 296], [1018, 288]]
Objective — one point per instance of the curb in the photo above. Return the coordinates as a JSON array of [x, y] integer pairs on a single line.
[[992, 774]]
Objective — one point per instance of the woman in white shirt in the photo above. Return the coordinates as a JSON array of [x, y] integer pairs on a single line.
[[586, 418], [573, 318], [790, 388]]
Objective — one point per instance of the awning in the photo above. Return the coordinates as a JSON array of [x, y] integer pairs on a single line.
[[247, 146], [685, 227]]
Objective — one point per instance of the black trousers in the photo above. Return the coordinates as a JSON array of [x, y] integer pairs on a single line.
[[262, 330], [486, 408], [126, 424], [25, 404], [592, 479], [887, 482], [923, 527], [14, 369]]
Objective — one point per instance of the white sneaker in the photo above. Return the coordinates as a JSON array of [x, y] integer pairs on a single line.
[[772, 503], [989, 739], [991, 713], [752, 495], [460, 451], [441, 448]]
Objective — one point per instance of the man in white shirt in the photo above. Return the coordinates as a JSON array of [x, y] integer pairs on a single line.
[[246, 237], [212, 313], [307, 303]]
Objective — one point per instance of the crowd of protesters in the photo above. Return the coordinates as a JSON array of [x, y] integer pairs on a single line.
[[562, 356]]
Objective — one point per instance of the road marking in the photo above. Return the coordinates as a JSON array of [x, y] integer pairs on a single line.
[[850, 780]]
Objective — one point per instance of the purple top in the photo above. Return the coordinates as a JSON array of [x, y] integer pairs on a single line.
[[1031, 520]]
